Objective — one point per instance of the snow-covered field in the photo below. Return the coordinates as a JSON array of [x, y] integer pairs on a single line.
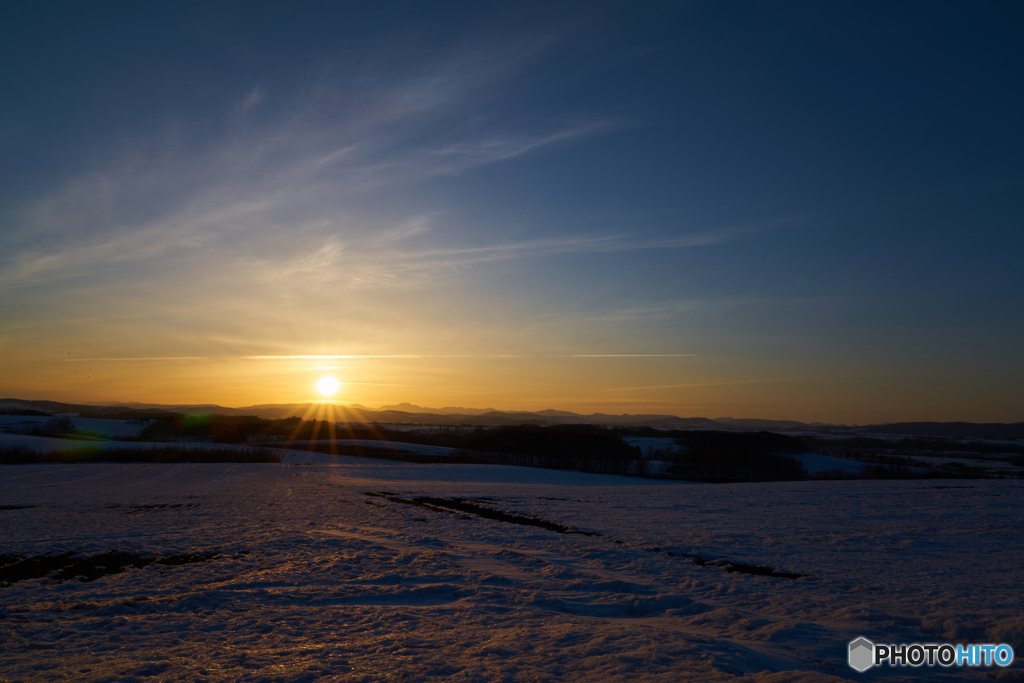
[[992, 464], [648, 444], [314, 579], [814, 462], [440, 451], [425, 429], [817, 463], [96, 426], [47, 443]]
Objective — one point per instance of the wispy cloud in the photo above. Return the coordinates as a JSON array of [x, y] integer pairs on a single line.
[[156, 358], [309, 221], [386, 356], [310, 171], [301, 173], [711, 384], [465, 155], [254, 97], [466, 256]]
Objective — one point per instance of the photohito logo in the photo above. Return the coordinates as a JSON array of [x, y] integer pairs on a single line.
[[864, 654]]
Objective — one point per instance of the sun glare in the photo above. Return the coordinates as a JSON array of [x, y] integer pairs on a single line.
[[327, 386]]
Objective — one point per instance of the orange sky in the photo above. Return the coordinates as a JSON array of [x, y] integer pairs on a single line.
[[685, 385]]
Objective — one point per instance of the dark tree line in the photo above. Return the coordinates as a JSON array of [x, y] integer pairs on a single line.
[[247, 428], [27, 412], [217, 428], [569, 447], [908, 445], [737, 456], [703, 455]]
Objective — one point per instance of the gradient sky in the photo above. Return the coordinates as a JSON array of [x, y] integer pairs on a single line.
[[796, 210]]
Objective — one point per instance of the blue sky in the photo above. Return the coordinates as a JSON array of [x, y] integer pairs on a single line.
[[809, 211]]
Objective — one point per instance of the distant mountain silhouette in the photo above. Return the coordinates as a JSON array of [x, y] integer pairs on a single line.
[[410, 408], [486, 417]]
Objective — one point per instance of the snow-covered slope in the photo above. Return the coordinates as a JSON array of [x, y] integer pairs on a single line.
[[314, 579], [648, 444], [440, 451], [817, 463], [94, 425]]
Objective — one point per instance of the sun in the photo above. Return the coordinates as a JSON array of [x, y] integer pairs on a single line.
[[327, 386]]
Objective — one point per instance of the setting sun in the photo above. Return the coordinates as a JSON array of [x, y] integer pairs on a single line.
[[327, 386]]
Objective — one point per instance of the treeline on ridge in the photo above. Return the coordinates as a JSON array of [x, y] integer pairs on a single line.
[[710, 455], [249, 428], [907, 445], [702, 455], [562, 447]]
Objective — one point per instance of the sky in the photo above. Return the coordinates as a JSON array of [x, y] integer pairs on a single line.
[[795, 210]]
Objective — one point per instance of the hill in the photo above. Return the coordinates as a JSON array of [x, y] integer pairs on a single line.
[[407, 413]]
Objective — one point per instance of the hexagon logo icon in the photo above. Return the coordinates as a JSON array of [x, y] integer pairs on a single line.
[[862, 654]]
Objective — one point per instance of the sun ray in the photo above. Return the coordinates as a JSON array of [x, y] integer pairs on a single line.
[[298, 428], [352, 435], [314, 433], [331, 430]]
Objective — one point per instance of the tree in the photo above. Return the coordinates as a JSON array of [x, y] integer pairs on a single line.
[[58, 425]]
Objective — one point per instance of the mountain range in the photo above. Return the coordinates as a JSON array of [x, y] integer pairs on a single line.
[[407, 413]]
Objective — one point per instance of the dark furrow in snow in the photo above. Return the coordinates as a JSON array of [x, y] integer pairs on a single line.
[[451, 505], [69, 565]]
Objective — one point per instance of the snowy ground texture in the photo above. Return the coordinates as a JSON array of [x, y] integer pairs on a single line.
[[420, 449], [817, 463], [93, 426], [316, 580]]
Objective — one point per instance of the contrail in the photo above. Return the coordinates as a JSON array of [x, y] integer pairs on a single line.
[[625, 355], [94, 360], [382, 355], [433, 355], [709, 384]]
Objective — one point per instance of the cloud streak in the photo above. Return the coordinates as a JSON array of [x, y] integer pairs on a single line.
[[301, 172], [312, 163], [601, 244], [383, 356], [466, 355], [711, 384], [98, 360]]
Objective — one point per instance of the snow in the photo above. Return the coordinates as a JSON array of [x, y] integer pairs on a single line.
[[108, 427], [19, 423], [647, 444], [385, 471], [41, 443], [48, 443], [817, 463], [980, 462], [315, 580], [420, 449], [424, 429], [94, 425]]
